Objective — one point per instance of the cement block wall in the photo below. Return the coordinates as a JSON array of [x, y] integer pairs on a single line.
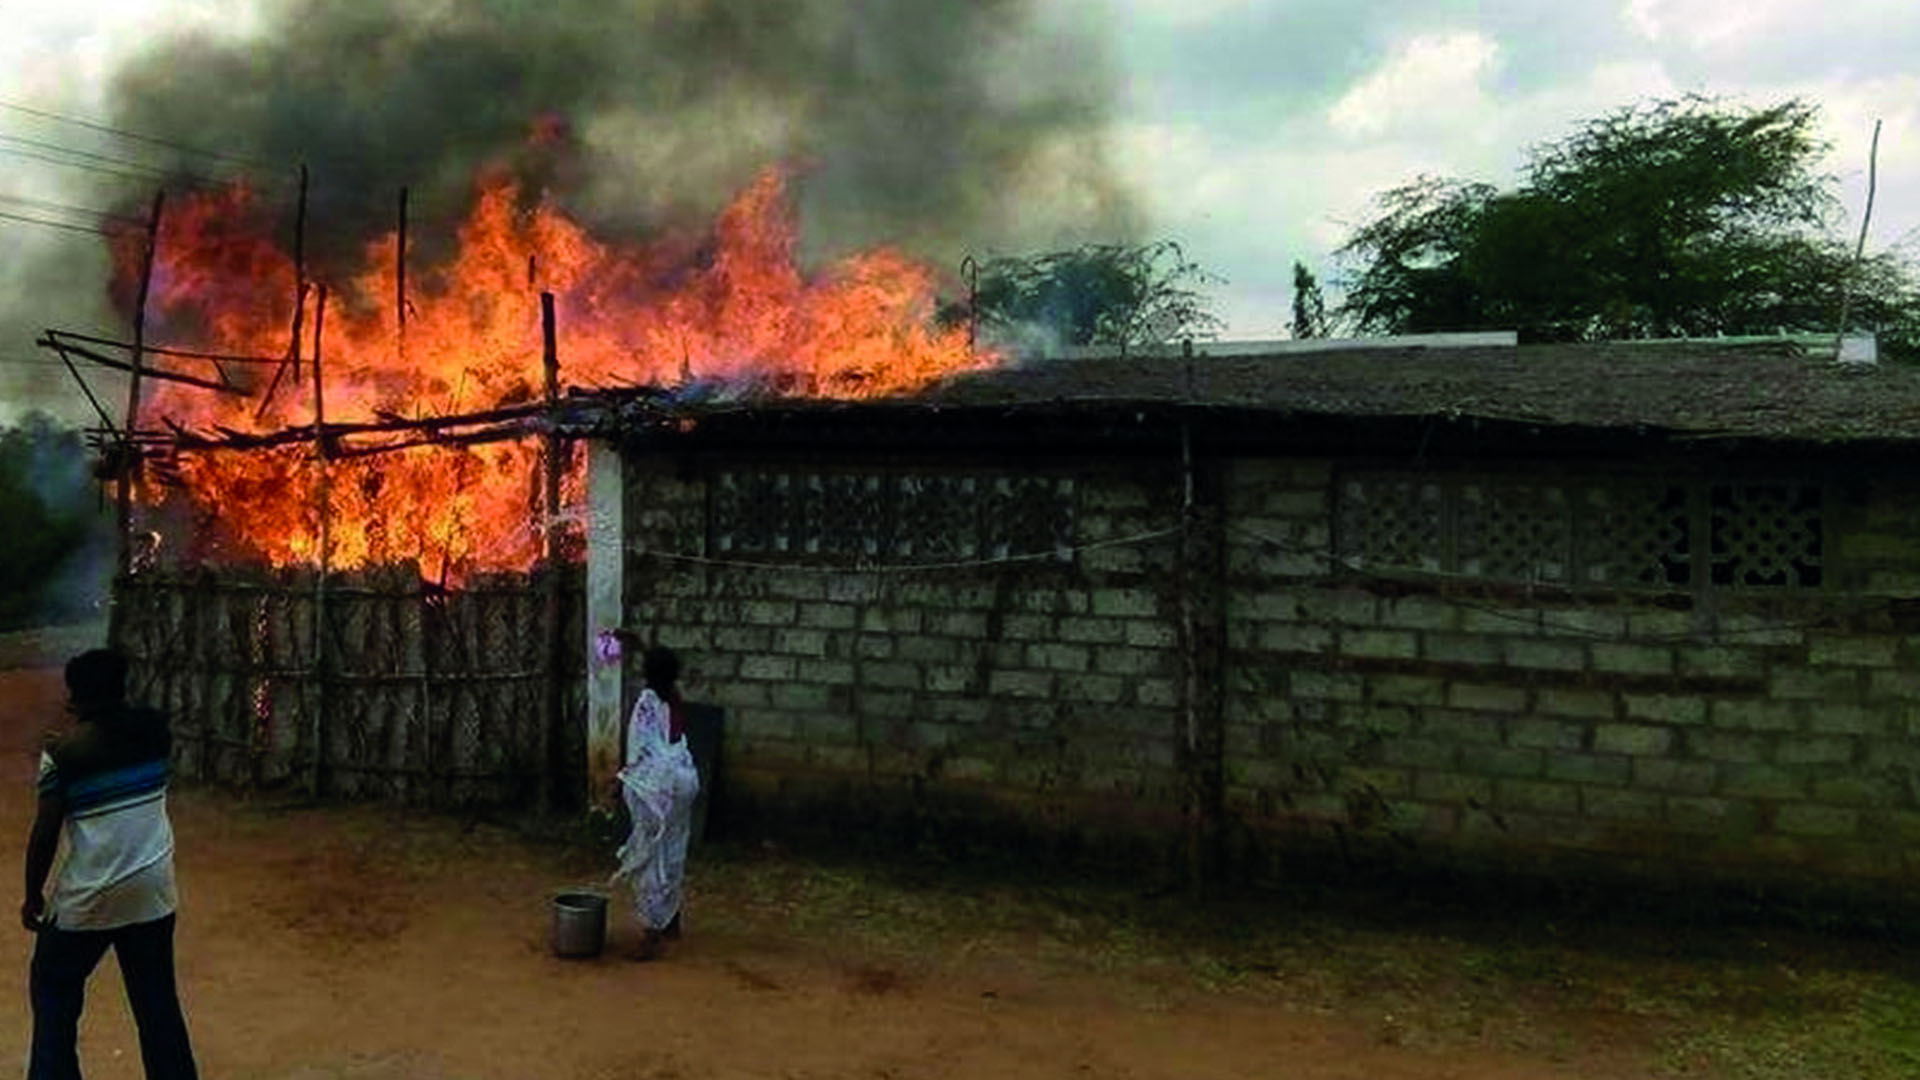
[[1752, 736], [1740, 735], [1037, 698]]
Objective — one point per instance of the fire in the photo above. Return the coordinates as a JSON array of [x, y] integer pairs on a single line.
[[731, 305]]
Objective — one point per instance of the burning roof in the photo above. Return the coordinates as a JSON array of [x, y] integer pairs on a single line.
[[425, 443]]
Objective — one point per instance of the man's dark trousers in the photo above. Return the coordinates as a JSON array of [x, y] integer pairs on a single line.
[[62, 960]]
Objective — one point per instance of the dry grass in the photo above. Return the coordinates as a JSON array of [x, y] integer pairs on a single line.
[[1686, 994]]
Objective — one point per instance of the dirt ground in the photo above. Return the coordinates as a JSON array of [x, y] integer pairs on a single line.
[[351, 942]]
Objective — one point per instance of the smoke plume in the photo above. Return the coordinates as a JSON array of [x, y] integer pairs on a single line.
[[941, 126]]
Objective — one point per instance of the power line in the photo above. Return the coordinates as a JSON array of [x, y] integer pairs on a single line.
[[121, 162], [144, 175], [84, 155], [43, 204], [134, 136], [134, 170], [55, 224]]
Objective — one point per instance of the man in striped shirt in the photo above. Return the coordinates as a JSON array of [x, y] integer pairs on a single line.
[[106, 783]]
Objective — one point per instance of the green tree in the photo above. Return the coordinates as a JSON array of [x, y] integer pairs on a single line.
[[1309, 307], [1680, 218], [1098, 294]]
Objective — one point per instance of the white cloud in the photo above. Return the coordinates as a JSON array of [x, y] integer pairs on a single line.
[[1848, 109], [1434, 81], [1704, 23], [1249, 208], [1726, 26]]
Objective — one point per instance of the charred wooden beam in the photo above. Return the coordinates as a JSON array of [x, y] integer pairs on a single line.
[[555, 712], [165, 350], [147, 372], [105, 417]]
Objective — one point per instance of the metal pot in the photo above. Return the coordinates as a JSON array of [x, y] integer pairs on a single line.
[[579, 924]]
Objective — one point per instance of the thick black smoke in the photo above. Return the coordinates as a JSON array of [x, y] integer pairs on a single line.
[[940, 125]]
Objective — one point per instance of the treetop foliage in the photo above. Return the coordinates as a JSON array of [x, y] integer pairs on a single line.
[[1309, 307], [1098, 294], [1683, 218]]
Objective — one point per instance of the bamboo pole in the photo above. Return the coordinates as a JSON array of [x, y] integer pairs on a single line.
[[325, 509], [555, 708], [123, 486]]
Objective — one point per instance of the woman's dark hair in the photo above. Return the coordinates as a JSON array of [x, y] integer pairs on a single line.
[[97, 677], [660, 667]]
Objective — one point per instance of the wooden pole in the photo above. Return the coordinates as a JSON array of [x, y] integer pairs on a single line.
[[299, 269], [299, 299], [400, 278], [1190, 691], [424, 687], [555, 708], [141, 370], [970, 269], [325, 555], [99, 409], [1202, 604], [123, 487], [1860, 248]]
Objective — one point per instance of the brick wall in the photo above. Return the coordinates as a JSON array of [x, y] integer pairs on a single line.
[[1040, 696], [1740, 734], [1441, 721]]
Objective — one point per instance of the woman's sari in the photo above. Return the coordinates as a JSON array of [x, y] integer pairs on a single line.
[[659, 783]]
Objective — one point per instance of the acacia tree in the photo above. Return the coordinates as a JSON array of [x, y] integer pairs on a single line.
[[1098, 294], [1681, 218]]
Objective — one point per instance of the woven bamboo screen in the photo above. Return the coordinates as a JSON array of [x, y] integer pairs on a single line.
[[426, 696]]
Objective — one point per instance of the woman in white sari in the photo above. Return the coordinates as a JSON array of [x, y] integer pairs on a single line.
[[658, 784]]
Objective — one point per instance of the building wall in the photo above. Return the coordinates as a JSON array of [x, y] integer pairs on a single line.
[[1037, 700], [1445, 716], [1753, 732]]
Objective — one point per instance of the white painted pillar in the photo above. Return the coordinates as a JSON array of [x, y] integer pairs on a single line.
[[606, 610]]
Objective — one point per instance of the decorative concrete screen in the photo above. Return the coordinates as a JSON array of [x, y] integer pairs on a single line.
[[1606, 532], [870, 516]]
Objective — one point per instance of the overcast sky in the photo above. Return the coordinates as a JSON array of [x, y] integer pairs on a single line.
[[1256, 132]]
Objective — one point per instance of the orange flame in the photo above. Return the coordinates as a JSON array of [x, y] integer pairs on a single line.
[[733, 305]]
